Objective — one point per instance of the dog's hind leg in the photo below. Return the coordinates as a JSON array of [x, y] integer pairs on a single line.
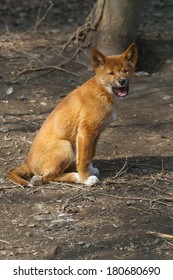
[[71, 177]]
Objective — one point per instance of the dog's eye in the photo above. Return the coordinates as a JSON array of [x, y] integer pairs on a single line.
[[125, 70], [111, 73]]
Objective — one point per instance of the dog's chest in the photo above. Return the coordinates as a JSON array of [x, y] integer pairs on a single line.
[[111, 117]]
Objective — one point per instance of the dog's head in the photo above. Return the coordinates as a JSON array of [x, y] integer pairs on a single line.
[[115, 72]]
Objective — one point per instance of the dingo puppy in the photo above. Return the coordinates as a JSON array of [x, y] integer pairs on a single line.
[[73, 128]]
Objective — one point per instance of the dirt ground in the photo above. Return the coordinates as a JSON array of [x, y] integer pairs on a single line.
[[129, 214]]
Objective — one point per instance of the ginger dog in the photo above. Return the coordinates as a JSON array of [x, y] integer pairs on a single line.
[[73, 128]]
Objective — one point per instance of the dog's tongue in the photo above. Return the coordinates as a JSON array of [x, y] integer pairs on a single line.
[[122, 92]]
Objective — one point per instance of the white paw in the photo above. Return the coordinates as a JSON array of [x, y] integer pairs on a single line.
[[30, 185], [77, 177], [91, 180], [93, 170]]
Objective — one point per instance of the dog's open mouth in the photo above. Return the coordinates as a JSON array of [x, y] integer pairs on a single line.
[[121, 91]]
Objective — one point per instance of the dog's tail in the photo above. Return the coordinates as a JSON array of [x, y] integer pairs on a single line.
[[16, 175]]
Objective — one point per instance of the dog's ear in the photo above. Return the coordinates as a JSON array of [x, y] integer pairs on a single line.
[[131, 54], [97, 58]]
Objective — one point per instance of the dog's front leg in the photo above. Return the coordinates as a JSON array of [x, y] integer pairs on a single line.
[[94, 170], [84, 143]]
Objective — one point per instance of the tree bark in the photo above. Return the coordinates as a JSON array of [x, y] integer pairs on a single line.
[[117, 26]]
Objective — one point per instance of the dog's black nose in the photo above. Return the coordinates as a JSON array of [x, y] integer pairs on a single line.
[[122, 81]]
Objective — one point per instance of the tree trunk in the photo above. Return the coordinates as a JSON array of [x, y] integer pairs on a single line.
[[117, 26]]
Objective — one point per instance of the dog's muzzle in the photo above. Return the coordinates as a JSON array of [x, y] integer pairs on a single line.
[[121, 91], [122, 87]]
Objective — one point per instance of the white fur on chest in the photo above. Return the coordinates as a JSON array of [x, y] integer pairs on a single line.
[[111, 118]]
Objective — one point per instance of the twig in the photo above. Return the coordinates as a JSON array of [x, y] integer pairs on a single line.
[[68, 41], [86, 29], [35, 69], [24, 121], [136, 208], [162, 198], [39, 75], [161, 202], [150, 199], [71, 59], [63, 184], [39, 21], [155, 188], [38, 14], [31, 56], [44, 16], [122, 170], [125, 197], [9, 187], [34, 190], [169, 243], [4, 241], [162, 235], [71, 199], [158, 200]]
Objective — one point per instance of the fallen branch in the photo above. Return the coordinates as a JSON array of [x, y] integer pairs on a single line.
[[122, 170], [36, 69], [125, 197], [139, 209], [4, 241], [164, 198], [149, 199], [8, 187], [162, 235]]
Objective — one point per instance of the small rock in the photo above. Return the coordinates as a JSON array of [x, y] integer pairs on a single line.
[[71, 81], [156, 241], [22, 98], [69, 220], [29, 234], [130, 202], [132, 245], [40, 206], [31, 225], [70, 20], [33, 101], [54, 223], [63, 215], [40, 218], [43, 103], [166, 97], [36, 180], [9, 91], [4, 129], [141, 74], [88, 245], [51, 253], [81, 243], [133, 222], [115, 226], [89, 196]]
